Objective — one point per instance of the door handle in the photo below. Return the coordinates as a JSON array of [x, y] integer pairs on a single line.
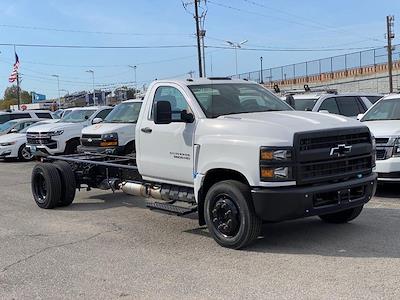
[[146, 130]]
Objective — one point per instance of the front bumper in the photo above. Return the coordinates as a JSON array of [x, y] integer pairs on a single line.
[[388, 169], [7, 152], [279, 204]]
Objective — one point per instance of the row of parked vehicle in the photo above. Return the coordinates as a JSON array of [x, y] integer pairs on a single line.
[[102, 129]]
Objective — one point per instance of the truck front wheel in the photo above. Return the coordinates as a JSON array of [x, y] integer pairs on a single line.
[[230, 215], [342, 216], [46, 185]]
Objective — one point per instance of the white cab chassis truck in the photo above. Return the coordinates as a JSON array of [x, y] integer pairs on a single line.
[[232, 152]]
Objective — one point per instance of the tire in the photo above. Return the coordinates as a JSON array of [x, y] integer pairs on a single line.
[[24, 154], [230, 215], [71, 147], [46, 185], [68, 182], [342, 216]]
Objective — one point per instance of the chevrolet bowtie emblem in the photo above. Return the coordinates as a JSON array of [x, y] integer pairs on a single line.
[[340, 150], [90, 140]]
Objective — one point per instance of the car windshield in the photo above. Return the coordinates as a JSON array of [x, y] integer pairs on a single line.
[[384, 110], [78, 116], [304, 104], [233, 98], [124, 113], [7, 125]]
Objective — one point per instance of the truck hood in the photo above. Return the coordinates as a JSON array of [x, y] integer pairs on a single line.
[[12, 137], [104, 128], [273, 128], [56, 126], [387, 128]]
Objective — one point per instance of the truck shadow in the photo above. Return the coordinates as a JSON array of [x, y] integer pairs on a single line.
[[105, 201], [373, 234], [388, 190]]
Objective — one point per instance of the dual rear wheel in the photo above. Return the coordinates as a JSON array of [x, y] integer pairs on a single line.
[[53, 184]]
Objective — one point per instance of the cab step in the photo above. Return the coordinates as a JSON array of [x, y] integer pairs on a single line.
[[175, 209]]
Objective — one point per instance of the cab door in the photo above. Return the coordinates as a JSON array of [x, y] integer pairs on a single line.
[[166, 150]]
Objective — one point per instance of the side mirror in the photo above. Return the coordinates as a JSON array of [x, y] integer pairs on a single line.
[[359, 116], [187, 117], [162, 112], [97, 120]]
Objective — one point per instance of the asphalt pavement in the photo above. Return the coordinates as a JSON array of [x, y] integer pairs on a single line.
[[109, 246]]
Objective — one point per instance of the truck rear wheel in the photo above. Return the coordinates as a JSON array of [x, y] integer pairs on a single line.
[[230, 215], [46, 185], [68, 182], [342, 216]]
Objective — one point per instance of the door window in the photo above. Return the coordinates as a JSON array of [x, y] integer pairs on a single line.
[[174, 97], [44, 115], [104, 113], [349, 106], [330, 105], [20, 116]]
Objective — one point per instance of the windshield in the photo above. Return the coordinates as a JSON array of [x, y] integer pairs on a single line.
[[384, 110], [304, 104], [124, 113], [78, 116], [233, 98], [7, 125]]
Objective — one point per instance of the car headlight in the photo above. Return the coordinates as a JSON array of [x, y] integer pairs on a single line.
[[373, 142], [276, 164], [109, 140], [7, 144], [396, 148], [55, 133]]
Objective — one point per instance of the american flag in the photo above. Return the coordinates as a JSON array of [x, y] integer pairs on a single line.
[[14, 73]]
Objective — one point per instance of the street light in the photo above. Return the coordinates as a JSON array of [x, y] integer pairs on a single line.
[[94, 92], [134, 70], [236, 46], [261, 71], [58, 88]]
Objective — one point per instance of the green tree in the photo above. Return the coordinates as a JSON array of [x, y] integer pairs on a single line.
[[11, 94]]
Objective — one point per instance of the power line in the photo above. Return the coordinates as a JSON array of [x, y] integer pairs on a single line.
[[97, 47], [272, 49], [312, 24], [90, 32]]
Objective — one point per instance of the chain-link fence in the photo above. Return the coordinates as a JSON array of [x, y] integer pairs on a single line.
[[330, 65]]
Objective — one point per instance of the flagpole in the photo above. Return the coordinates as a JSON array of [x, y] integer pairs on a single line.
[[18, 93]]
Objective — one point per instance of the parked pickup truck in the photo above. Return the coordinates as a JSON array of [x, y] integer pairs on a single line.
[[234, 153], [63, 137], [116, 134]]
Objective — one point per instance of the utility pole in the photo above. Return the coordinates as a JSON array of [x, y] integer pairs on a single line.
[[134, 70], [261, 70], [94, 91], [390, 37], [196, 17], [202, 36]]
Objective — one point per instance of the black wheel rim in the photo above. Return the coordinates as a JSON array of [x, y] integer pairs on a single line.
[[225, 215], [40, 188]]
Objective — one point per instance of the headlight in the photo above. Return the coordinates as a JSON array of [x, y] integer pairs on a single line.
[[269, 154], [109, 140], [276, 164], [373, 142], [396, 149], [55, 133], [7, 144]]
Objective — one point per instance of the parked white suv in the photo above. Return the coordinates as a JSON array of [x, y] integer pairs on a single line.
[[346, 104], [26, 114], [63, 136], [383, 119], [116, 134]]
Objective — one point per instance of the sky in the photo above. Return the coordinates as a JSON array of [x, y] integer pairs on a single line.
[[284, 24]]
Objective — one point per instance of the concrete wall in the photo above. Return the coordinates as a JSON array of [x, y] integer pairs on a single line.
[[365, 79]]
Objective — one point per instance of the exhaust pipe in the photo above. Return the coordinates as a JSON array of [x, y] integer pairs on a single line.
[[141, 190]]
